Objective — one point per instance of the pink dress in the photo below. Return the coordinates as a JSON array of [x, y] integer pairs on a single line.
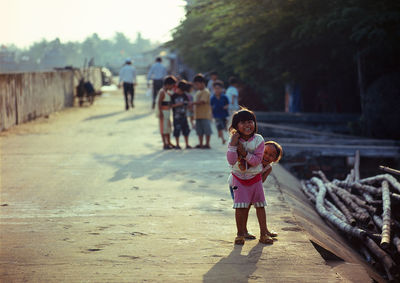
[[248, 183]]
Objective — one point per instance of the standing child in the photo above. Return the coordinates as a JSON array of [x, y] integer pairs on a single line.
[[213, 79], [233, 95], [220, 104], [179, 102], [202, 111], [164, 110], [247, 185], [190, 113]]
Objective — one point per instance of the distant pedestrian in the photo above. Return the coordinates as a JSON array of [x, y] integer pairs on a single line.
[[219, 105], [164, 110], [156, 73], [213, 79], [127, 77], [202, 111], [179, 104], [233, 95]]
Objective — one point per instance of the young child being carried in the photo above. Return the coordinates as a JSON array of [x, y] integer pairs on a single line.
[[179, 104], [248, 187]]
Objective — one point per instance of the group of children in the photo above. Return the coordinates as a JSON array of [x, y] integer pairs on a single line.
[[249, 157], [199, 106]]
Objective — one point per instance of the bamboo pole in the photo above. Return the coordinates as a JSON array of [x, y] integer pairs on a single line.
[[396, 243], [385, 242], [357, 166], [349, 217], [341, 225], [379, 178], [389, 170]]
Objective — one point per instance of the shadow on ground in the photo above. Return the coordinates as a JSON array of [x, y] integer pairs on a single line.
[[235, 265]]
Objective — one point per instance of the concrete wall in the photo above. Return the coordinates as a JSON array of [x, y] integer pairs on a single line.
[[26, 96]]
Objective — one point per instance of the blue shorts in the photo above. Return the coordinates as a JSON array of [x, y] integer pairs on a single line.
[[203, 127]]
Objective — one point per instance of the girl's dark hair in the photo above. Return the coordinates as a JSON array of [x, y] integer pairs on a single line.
[[233, 80], [278, 149], [243, 115], [170, 80]]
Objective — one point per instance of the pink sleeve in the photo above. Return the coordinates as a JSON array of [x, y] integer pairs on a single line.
[[232, 154], [255, 158]]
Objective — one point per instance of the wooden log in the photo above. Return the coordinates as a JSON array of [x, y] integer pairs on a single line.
[[379, 178], [368, 256], [349, 217], [359, 213], [378, 221], [386, 215], [383, 257], [396, 242], [311, 193], [341, 225]]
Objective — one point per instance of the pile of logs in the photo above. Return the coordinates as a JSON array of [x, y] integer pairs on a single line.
[[366, 211]]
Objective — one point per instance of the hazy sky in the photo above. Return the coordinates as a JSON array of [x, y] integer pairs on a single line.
[[23, 22]]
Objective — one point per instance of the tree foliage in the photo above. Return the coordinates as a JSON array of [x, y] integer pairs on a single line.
[[312, 43]]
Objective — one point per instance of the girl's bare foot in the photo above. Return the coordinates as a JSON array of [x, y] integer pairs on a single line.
[[239, 240]]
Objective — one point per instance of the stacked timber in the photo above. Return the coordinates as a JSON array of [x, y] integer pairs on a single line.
[[366, 211]]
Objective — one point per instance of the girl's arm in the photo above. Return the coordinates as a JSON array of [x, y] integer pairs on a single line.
[[255, 158], [232, 154], [266, 173]]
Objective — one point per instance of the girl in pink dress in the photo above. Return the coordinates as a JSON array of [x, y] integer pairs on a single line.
[[247, 185]]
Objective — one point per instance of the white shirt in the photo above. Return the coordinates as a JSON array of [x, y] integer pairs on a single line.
[[127, 74], [210, 86], [157, 72], [233, 95]]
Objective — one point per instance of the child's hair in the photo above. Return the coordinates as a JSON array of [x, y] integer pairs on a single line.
[[170, 80], [199, 78], [213, 73], [242, 115], [183, 85], [233, 80], [218, 83], [278, 149], [158, 59]]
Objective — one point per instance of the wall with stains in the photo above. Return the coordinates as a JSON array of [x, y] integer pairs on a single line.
[[26, 96]]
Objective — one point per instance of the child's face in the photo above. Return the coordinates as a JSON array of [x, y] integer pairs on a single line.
[[217, 90], [246, 128], [270, 154], [179, 91], [214, 77], [169, 87], [198, 85]]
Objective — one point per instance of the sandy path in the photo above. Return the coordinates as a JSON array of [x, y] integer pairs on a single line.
[[91, 197]]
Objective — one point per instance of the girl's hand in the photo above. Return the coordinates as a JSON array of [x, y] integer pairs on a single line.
[[241, 151], [235, 138]]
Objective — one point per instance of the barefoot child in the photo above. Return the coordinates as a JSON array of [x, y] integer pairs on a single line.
[[219, 103], [179, 105], [163, 110], [248, 183]]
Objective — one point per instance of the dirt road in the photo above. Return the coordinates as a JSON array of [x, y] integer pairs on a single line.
[[89, 196]]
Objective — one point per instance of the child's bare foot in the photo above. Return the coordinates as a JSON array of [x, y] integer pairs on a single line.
[[239, 240], [266, 240]]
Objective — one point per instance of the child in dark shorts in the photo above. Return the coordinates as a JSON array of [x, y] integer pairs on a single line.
[[220, 104], [179, 104]]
